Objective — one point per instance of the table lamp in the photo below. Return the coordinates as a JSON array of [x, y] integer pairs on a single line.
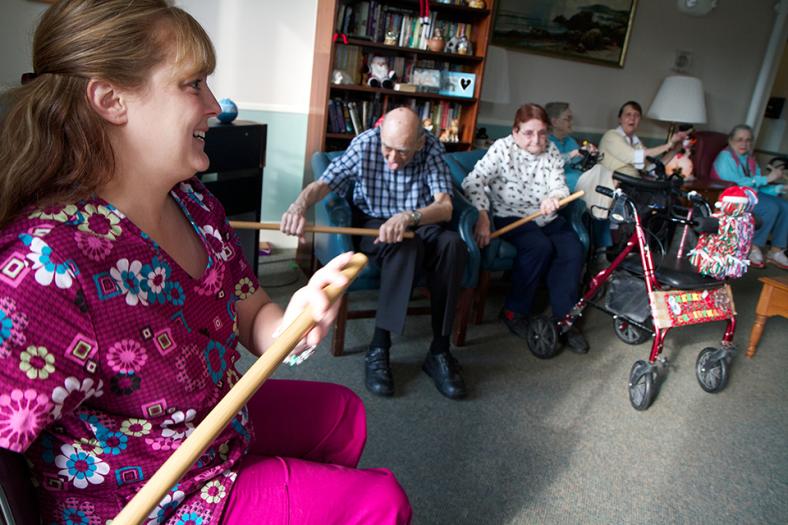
[[679, 100]]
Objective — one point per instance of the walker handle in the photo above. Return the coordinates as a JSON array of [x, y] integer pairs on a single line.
[[604, 190]]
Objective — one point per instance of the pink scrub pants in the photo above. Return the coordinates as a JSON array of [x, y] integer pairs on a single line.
[[301, 468]]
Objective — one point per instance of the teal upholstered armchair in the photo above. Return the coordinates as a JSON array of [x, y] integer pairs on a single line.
[[334, 210], [499, 255]]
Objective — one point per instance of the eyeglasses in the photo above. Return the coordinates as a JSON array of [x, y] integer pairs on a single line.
[[530, 133], [387, 150]]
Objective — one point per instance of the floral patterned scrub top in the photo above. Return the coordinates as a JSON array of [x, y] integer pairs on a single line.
[[111, 354]]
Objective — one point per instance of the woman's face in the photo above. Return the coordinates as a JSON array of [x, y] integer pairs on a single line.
[[531, 136], [167, 122], [629, 120], [562, 125], [741, 142]]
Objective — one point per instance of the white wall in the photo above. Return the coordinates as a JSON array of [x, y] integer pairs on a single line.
[[727, 45], [264, 49]]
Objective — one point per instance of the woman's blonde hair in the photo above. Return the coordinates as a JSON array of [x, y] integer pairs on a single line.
[[54, 148]]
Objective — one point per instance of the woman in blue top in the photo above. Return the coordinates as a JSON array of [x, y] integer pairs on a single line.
[[560, 116], [737, 164]]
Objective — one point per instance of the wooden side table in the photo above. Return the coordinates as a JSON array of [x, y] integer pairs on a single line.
[[773, 301]]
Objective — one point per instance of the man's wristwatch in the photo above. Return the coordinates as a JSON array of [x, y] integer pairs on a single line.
[[415, 218]]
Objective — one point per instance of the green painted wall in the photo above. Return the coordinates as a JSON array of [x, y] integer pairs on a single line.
[[284, 167]]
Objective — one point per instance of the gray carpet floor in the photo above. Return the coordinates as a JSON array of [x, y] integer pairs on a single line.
[[556, 441]]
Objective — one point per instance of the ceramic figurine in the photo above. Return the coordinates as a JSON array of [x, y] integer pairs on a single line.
[[464, 46], [391, 38]]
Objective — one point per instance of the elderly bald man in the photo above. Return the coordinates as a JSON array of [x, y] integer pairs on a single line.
[[400, 182]]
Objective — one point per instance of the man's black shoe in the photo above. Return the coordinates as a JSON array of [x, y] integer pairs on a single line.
[[518, 325], [445, 372], [377, 372], [575, 341]]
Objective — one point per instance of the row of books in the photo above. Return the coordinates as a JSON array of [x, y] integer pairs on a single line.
[[351, 60], [353, 116], [356, 116], [372, 20]]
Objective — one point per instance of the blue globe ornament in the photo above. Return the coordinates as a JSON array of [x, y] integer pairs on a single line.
[[229, 111]]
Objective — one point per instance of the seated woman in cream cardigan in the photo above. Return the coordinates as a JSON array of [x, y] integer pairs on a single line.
[[622, 149]]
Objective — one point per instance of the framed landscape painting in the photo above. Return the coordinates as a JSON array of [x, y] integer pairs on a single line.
[[591, 30]]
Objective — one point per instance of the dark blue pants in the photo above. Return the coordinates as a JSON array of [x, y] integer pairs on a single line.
[[552, 252]]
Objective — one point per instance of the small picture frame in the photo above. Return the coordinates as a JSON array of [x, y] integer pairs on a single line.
[[426, 79], [457, 84]]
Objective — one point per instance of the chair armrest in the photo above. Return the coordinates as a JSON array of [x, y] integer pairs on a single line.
[[463, 221], [573, 213]]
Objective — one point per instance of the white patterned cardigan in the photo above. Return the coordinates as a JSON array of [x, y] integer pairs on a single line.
[[510, 182]]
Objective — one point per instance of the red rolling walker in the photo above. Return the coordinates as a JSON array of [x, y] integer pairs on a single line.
[[674, 298]]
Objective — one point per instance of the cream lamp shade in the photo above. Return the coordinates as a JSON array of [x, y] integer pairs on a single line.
[[679, 99]]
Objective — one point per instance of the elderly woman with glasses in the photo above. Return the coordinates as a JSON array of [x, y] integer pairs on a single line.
[[520, 174], [560, 116], [737, 164]]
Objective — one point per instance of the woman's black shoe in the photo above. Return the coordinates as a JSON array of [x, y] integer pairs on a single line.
[[575, 341], [518, 324]]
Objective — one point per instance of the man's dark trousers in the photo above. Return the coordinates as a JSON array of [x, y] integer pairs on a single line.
[[435, 253]]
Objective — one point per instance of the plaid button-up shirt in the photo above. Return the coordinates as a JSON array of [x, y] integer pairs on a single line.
[[381, 192]]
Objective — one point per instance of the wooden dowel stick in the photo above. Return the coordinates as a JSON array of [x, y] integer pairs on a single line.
[[372, 232], [519, 222], [138, 508]]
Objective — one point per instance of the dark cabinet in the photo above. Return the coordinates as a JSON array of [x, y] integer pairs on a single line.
[[235, 175]]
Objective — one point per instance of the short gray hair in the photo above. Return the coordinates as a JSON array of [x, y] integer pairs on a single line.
[[555, 109], [737, 128]]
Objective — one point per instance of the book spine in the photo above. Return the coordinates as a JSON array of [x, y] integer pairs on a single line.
[[353, 109]]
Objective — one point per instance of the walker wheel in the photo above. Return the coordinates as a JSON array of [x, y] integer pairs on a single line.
[[712, 370], [642, 385], [542, 337], [629, 333]]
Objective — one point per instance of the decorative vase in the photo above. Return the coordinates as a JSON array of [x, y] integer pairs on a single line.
[[229, 111], [436, 44]]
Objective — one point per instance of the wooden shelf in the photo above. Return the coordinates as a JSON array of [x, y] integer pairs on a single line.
[[425, 54], [328, 48], [461, 13], [390, 92]]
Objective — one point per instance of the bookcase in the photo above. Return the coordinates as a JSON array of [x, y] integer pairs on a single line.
[[350, 33], [347, 35]]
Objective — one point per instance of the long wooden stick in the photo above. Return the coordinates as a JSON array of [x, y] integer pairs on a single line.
[[519, 222], [138, 508], [371, 232]]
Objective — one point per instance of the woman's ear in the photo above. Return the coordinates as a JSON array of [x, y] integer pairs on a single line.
[[107, 101]]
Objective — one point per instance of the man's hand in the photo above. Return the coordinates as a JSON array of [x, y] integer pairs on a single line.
[[293, 220], [549, 206], [392, 230], [481, 232]]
